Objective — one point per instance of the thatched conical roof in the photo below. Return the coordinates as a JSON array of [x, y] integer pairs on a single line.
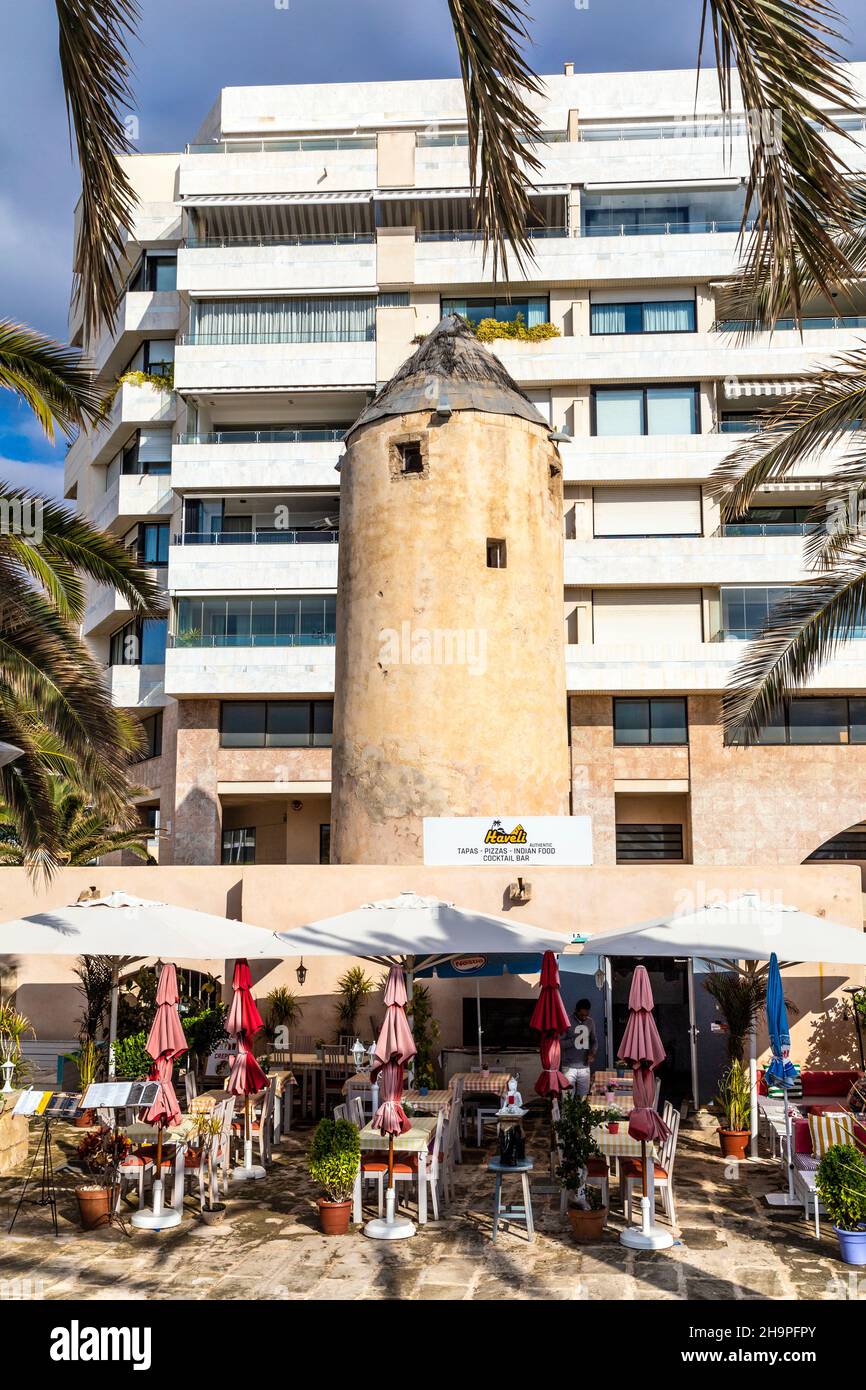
[[451, 370]]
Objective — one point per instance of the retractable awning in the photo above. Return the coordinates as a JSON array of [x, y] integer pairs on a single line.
[[253, 217], [736, 390]]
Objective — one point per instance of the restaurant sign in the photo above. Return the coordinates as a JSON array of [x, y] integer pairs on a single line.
[[520, 840]]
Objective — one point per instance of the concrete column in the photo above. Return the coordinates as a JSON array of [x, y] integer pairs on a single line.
[[197, 821]]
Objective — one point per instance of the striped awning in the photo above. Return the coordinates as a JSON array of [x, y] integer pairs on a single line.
[[270, 216], [211, 200], [735, 390]]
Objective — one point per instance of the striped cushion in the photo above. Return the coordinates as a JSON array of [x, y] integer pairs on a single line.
[[793, 1092], [835, 1127]]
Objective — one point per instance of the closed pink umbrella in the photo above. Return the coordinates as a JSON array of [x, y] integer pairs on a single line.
[[641, 1048], [394, 1047], [165, 1042], [549, 1018], [246, 1077]]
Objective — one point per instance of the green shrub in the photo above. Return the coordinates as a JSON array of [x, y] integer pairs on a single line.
[[204, 1031], [334, 1157], [841, 1183], [132, 1061], [576, 1144], [488, 330]]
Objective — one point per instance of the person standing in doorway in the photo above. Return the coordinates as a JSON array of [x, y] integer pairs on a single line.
[[579, 1049]]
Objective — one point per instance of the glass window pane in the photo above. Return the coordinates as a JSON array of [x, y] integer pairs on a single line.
[[213, 621], [262, 619], [631, 721], [619, 412], [237, 622], [818, 720], [286, 620], [163, 273], [288, 724], [669, 316], [671, 410], [323, 723], [857, 720], [153, 638], [775, 730], [243, 724], [668, 721], [608, 318]]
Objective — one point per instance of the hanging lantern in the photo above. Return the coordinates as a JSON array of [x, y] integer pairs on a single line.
[[301, 972]]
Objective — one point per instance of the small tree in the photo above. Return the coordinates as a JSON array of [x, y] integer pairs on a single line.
[[740, 999], [284, 1010], [576, 1145], [425, 1031], [841, 1184], [335, 1154]]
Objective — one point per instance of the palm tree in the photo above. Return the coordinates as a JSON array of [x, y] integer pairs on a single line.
[[84, 832]]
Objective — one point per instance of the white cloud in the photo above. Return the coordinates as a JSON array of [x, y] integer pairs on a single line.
[[44, 478]]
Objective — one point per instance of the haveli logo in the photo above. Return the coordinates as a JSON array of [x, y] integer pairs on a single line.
[[497, 836]]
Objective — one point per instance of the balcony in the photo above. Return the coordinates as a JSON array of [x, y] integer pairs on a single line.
[[235, 168], [207, 366], [137, 687], [267, 560], [133, 497], [142, 314], [691, 561], [693, 666], [244, 459], [250, 670], [134, 405], [642, 458], [261, 265]]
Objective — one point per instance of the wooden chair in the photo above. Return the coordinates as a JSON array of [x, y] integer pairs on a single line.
[[451, 1144], [190, 1086], [631, 1170], [341, 1112], [333, 1075], [355, 1108]]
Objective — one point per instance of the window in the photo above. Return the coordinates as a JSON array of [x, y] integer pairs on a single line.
[[239, 846], [504, 1023], [814, 719], [650, 721], [746, 611], [325, 843], [307, 620], [639, 844], [276, 723], [850, 844], [150, 819], [496, 557], [140, 642], [771, 521], [159, 356], [148, 451], [152, 543], [341, 319], [411, 458], [645, 410], [623, 221], [151, 729], [393, 299], [656, 316], [157, 272], [533, 310]]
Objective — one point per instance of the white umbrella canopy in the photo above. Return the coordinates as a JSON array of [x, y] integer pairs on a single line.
[[744, 928], [132, 928], [416, 932]]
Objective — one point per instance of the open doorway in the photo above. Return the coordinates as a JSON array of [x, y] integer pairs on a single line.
[[669, 980]]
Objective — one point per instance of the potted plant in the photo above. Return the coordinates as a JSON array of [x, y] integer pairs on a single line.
[[87, 1061], [100, 1152], [353, 989], [333, 1162], [735, 1102], [841, 1184], [207, 1128], [576, 1147], [285, 1012]]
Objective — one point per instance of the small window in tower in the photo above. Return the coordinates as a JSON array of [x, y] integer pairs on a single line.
[[496, 555], [411, 460]]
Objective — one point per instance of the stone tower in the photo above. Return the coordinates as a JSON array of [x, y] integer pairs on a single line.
[[450, 684]]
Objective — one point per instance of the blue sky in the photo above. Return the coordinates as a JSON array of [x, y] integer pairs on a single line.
[[188, 49]]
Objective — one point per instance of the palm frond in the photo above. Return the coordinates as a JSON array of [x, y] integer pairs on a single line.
[[496, 81], [801, 635], [94, 63], [821, 413], [787, 63], [53, 380]]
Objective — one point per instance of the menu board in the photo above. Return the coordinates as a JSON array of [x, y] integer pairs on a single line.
[[111, 1095]]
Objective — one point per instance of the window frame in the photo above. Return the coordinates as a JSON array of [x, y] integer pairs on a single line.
[[153, 748], [311, 706], [594, 391], [640, 304], [233, 833], [785, 725], [649, 700]]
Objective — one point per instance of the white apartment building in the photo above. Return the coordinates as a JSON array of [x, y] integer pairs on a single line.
[[280, 269]]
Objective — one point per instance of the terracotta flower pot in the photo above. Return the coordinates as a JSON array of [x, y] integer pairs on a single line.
[[212, 1216], [334, 1217], [734, 1142], [84, 1120], [94, 1206], [613, 1127], [587, 1225]]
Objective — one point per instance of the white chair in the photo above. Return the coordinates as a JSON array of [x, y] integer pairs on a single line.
[[341, 1112], [432, 1168], [260, 1128], [355, 1111], [631, 1172], [223, 1143], [451, 1145], [133, 1172], [597, 1170], [359, 1090]]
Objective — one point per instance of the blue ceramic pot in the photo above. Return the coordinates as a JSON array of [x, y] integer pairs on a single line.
[[852, 1245]]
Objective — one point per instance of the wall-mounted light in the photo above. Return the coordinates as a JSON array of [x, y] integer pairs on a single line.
[[600, 979], [301, 972], [519, 892]]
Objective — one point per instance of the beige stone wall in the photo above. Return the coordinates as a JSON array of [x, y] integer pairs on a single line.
[[195, 836], [484, 731], [14, 1138]]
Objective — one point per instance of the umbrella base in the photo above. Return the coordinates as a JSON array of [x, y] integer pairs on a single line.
[[782, 1199], [155, 1221], [653, 1239], [398, 1229], [253, 1171]]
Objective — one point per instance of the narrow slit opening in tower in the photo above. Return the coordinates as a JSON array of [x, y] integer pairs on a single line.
[[411, 460], [496, 557]]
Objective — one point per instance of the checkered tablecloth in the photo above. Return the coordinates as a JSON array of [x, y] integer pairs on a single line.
[[484, 1083], [619, 1145], [622, 1100], [431, 1104], [601, 1080], [414, 1141]]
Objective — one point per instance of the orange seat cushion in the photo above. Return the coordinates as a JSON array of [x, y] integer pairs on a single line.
[[633, 1168], [405, 1168]]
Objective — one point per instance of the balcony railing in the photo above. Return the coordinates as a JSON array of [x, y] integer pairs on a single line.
[[745, 424], [304, 535], [472, 234], [281, 145], [264, 437], [666, 228], [767, 528], [283, 239], [816, 321], [241, 337], [196, 639]]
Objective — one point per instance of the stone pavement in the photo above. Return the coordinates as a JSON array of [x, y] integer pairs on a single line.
[[730, 1245]]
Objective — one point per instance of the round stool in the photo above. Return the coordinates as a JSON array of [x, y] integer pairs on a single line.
[[516, 1211]]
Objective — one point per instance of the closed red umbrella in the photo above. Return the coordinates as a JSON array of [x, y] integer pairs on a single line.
[[394, 1047], [165, 1042], [246, 1077], [549, 1018], [641, 1048]]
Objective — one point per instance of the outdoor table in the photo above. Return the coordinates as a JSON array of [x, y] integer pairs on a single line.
[[619, 1145], [429, 1104], [179, 1135], [604, 1080], [481, 1083], [359, 1079], [414, 1141], [622, 1100]]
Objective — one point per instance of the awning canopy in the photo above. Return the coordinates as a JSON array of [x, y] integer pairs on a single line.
[[271, 217], [736, 390]]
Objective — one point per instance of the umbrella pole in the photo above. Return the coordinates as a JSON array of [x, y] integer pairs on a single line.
[[157, 1182], [478, 1017], [786, 1199], [112, 1018]]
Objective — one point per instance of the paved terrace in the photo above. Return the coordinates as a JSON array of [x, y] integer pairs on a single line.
[[731, 1245]]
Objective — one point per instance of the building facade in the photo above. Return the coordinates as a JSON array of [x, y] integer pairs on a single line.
[[280, 271]]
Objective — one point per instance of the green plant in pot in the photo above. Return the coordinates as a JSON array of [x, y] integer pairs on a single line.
[[206, 1129], [576, 1147], [284, 1011], [734, 1100], [87, 1060], [333, 1162], [100, 1153], [841, 1184]]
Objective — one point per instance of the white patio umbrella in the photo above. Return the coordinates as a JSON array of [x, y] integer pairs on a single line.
[[745, 928], [129, 929]]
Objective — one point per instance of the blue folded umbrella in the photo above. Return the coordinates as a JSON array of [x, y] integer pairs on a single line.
[[781, 1069]]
